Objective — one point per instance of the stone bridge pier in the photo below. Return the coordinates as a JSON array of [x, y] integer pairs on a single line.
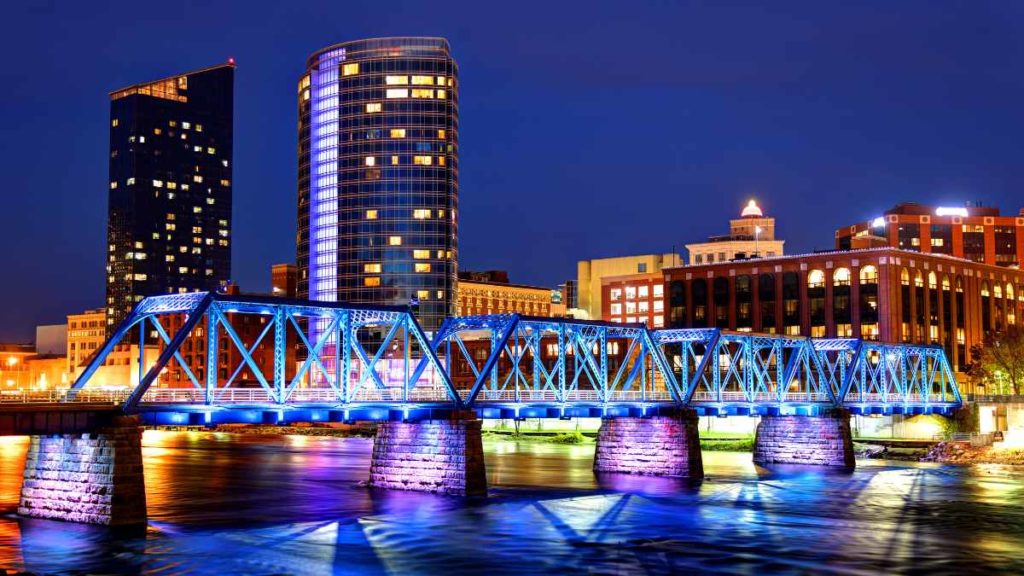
[[822, 440], [654, 446], [441, 456], [92, 477]]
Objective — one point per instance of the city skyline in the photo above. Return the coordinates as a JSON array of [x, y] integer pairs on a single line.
[[522, 108]]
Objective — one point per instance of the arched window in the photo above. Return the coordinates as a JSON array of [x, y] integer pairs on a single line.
[[869, 275], [904, 277], [933, 281], [721, 297], [918, 279], [699, 293], [841, 277], [997, 290], [816, 279]]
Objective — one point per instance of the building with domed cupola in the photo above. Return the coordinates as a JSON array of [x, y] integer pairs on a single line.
[[752, 235]]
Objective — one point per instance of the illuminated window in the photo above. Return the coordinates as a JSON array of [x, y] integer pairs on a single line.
[[422, 81], [423, 294], [140, 277], [373, 107], [440, 160], [441, 95], [616, 309], [422, 267], [172, 185], [373, 267], [440, 80], [158, 183], [396, 80], [142, 139], [441, 134], [211, 150], [113, 185], [186, 125], [397, 93], [350, 69], [197, 178], [225, 183], [421, 254], [395, 240], [114, 123], [421, 214], [157, 131], [371, 281], [398, 132], [131, 181], [422, 93], [394, 160], [371, 214], [422, 160], [370, 161]]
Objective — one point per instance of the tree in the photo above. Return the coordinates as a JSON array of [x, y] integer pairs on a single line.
[[1000, 360]]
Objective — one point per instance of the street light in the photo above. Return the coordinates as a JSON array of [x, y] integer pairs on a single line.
[[757, 236]]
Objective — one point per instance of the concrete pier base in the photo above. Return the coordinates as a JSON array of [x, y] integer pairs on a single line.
[[93, 478], [656, 446], [440, 456], [818, 440]]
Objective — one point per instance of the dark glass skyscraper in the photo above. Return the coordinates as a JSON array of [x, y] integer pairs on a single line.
[[169, 211], [378, 175]]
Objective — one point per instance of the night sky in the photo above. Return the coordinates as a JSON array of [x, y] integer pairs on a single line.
[[587, 129]]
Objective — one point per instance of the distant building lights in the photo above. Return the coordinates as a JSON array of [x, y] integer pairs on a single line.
[[947, 211], [878, 222]]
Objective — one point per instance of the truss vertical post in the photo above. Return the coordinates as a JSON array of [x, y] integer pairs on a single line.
[[405, 361], [212, 353], [340, 366], [602, 340], [346, 357], [561, 363], [280, 356], [142, 350]]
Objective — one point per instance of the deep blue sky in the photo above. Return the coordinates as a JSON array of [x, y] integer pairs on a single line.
[[588, 129]]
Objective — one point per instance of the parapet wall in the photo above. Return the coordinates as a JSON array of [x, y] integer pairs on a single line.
[[440, 456], [93, 478], [656, 446], [819, 440]]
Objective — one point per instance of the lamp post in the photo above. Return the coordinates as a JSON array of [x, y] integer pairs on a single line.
[[757, 236]]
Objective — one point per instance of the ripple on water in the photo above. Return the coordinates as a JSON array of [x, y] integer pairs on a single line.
[[294, 505]]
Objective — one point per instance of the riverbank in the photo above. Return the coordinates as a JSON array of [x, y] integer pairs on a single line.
[[964, 454]]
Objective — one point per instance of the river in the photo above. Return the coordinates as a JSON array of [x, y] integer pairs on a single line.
[[241, 504]]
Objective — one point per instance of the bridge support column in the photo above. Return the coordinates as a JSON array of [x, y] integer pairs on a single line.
[[655, 446], [440, 456], [823, 440], [93, 478]]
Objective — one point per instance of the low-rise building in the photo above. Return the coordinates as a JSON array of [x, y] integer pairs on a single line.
[[491, 293], [591, 273], [881, 294], [634, 298], [752, 235], [975, 233]]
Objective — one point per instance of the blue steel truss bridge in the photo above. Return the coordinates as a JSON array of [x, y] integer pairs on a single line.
[[322, 361]]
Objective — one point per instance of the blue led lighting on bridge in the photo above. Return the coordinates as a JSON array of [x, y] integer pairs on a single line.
[[503, 366]]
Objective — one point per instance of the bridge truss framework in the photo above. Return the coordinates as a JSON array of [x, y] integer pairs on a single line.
[[504, 365]]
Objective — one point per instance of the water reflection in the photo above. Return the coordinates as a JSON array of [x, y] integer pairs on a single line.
[[295, 505]]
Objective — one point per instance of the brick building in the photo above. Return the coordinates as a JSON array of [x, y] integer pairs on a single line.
[[974, 233], [634, 298], [882, 294]]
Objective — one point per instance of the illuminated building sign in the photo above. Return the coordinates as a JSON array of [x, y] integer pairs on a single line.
[[946, 211]]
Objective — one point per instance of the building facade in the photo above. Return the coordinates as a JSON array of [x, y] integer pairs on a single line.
[[591, 273], [752, 235], [378, 175], [973, 233], [284, 280], [634, 298], [480, 297], [169, 210], [881, 294]]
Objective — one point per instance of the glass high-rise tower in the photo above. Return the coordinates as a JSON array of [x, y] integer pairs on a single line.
[[169, 211], [378, 175]]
